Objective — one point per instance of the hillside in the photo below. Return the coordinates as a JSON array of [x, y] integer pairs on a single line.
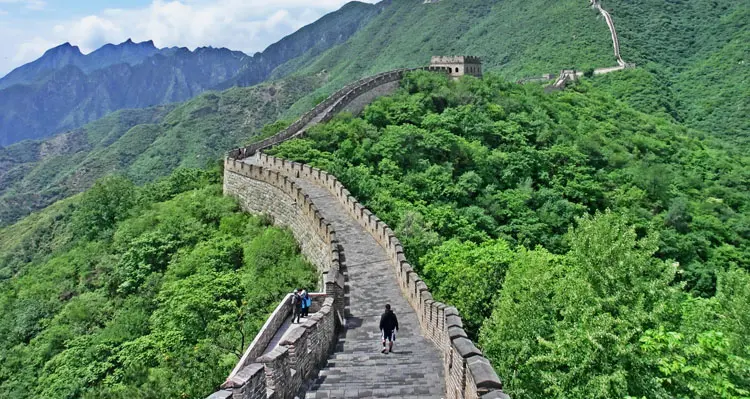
[[515, 38], [701, 49], [143, 144], [582, 241], [703, 86], [691, 56], [105, 295], [65, 89]]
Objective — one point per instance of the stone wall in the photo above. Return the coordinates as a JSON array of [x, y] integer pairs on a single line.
[[331, 106], [468, 373], [259, 197], [356, 106], [281, 372]]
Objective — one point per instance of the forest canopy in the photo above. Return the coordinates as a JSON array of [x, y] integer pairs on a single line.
[[595, 251], [138, 292]]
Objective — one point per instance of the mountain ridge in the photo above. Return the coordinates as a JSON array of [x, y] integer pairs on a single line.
[[65, 92]]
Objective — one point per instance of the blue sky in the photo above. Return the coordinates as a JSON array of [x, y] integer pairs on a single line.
[[29, 27]]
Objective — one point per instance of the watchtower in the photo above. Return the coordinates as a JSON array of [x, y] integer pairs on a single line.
[[459, 65]]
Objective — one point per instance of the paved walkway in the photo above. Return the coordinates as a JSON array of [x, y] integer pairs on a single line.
[[357, 369]]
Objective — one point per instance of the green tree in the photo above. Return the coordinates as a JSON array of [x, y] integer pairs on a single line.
[[109, 201], [469, 276]]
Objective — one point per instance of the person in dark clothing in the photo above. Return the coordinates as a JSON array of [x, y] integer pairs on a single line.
[[296, 305], [388, 328]]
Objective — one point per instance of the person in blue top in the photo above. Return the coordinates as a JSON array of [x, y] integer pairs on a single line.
[[306, 303]]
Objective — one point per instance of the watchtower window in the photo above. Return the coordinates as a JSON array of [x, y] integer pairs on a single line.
[[456, 69]]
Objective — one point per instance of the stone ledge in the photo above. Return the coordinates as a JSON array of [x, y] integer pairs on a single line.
[[223, 394], [456, 332], [484, 375], [454, 321], [495, 395], [244, 375], [466, 348]]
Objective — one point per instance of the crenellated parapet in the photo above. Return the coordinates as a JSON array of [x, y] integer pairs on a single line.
[[468, 373], [277, 370]]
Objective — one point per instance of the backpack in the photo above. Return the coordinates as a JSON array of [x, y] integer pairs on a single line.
[[295, 299]]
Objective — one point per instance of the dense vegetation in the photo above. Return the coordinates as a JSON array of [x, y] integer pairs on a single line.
[[125, 292], [693, 53], [697, 52], [142, 144], [596, 251]]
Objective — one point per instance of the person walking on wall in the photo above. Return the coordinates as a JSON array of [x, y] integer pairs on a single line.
[[306, 303], [296, 305], [388, 328]]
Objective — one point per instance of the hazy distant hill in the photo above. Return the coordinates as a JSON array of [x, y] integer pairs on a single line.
[[143, 143], [66, 54], [65, 89]]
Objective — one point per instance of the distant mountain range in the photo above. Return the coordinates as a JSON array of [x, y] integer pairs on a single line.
[[65, 89], [68, 55]]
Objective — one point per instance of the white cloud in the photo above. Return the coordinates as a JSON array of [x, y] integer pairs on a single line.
[[246, 25], [32, 49]]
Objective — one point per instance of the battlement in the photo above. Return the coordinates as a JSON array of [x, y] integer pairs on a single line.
[[455, 59], [459, 65]]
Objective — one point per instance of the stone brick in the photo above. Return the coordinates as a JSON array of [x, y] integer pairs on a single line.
[[466, 348]]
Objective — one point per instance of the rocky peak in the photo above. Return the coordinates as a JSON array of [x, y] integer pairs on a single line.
[[61, 55]]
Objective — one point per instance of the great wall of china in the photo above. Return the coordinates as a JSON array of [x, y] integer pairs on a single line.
[[569, 75], [363, 267], [334, 352]]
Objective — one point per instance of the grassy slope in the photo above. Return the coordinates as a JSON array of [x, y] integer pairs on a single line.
[[67, 331], [700, 50], [515, 38], [142, 144]]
